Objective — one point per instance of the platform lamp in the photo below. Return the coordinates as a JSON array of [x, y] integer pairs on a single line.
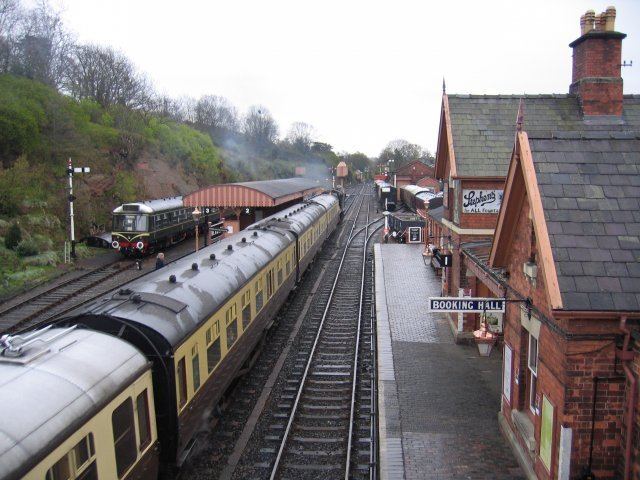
[[196, 217]]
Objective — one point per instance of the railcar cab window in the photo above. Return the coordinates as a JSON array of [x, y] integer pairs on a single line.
[[213, 346], [78, 463], [130, 223]]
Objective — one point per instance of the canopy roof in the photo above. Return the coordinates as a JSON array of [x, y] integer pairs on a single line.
[[261, 193]]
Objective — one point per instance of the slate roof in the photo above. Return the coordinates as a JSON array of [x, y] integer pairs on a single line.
[[483, 126], [590, 189]]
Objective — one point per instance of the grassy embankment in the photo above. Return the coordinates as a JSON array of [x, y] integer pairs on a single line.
[[39, 130]]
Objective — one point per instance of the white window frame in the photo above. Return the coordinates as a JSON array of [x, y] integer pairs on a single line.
[[532, 365]]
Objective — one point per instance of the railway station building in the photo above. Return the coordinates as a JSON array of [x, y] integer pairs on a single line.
[[562, 246], [244, 203]]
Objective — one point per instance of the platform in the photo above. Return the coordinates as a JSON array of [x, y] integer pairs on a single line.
[[438, 401]]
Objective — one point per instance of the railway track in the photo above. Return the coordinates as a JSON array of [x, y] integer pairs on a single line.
[[329, 417], [64, 296], [247, 432]]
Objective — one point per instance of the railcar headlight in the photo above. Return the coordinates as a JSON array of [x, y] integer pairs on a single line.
[[115, 244], [139, 245]]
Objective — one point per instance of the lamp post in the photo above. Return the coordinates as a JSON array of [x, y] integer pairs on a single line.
[[196, 216]]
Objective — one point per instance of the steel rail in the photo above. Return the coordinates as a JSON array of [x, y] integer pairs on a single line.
[[294, 409]]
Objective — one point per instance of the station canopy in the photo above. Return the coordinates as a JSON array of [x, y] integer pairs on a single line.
[[261, 193]]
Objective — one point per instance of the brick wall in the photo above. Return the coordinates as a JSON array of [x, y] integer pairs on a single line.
[[566, 371], [596, 74], [478, 220]]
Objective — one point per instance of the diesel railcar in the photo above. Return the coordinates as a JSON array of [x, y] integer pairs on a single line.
[[386, 195], [199, 319], [140, 228], [76, 404]]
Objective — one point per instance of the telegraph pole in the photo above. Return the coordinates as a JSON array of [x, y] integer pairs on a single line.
[[71, 198]]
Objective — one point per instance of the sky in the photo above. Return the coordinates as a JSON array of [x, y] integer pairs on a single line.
[[362, 73]]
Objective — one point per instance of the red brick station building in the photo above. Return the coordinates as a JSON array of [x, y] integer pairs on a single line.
[[542, 207]]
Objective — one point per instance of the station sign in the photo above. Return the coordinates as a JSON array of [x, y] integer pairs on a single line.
[[466, 304]]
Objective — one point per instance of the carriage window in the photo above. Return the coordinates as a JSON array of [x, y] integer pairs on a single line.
[[124, 436], [75, 464], [213, 354], [269, 283], [61, 470], [144, 427], [259, 301], [232, 333], [195, 366], [182, 383], [280, 276], [246, 309], [288, 264], [83, 451]]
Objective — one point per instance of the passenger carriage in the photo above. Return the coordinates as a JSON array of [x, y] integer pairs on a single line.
[[75, 404], [200, 318]]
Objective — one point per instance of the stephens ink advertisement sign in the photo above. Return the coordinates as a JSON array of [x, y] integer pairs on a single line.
[[481, 201]]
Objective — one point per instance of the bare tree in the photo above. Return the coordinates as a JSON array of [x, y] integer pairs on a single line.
[[216, 113], [108, 77], [300, 136], [259, 126], [10, 15], [401, 152], [43, 47]]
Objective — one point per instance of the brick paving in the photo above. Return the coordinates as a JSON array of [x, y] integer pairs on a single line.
[[438, 401]]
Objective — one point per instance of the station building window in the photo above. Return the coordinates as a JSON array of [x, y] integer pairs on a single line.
[[532, 364], [124, 436]]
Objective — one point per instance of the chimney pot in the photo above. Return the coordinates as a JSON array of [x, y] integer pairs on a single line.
[[583, 25], [610, 19], [590, 18]]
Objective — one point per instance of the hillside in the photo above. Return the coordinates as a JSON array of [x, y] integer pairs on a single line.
[[133, 155]]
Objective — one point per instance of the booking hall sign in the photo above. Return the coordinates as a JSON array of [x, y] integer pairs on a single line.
[[481, 201]]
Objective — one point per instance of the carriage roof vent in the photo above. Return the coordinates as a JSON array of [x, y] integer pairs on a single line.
[[229, 247], [172, 279], [125, 291], [136, 298], [212, 256], [194, 266], [255, 234], [244, 240]]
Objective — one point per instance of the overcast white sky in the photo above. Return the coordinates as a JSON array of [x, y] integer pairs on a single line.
[[361, 72]]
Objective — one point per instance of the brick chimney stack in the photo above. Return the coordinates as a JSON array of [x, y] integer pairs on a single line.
[[597, 56]]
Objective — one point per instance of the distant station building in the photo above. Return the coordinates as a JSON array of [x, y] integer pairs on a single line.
[[542, 202], [245, 203]]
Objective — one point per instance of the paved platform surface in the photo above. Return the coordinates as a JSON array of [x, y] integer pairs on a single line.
[[438, 401]]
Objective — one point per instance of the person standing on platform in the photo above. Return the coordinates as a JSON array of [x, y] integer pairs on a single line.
[[160, 261]]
